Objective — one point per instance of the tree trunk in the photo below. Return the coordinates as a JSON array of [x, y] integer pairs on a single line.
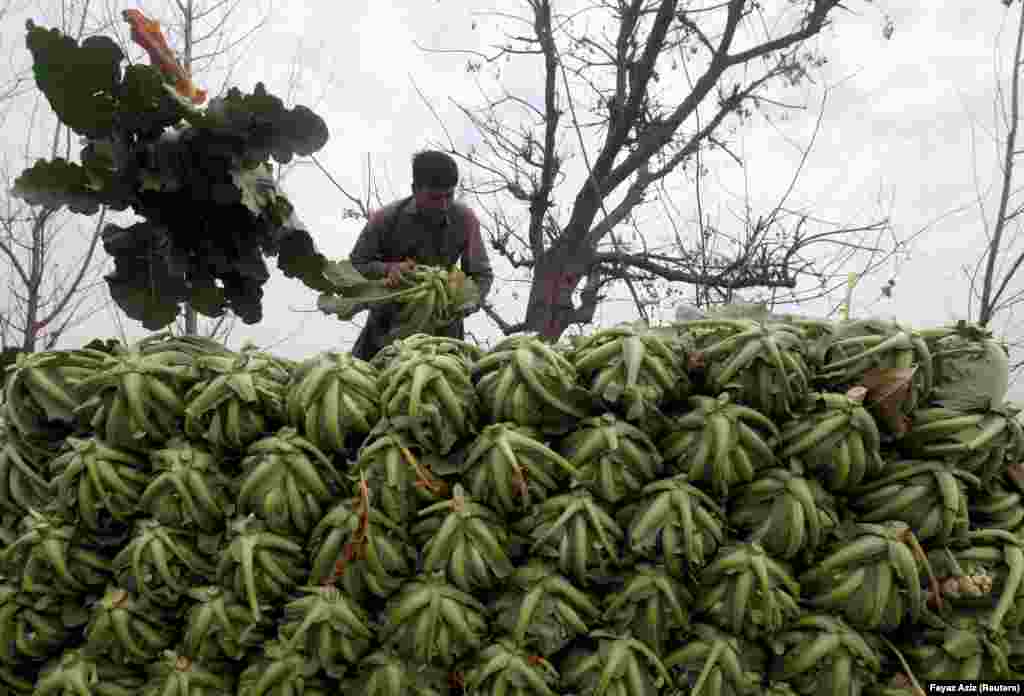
[[556, 276]]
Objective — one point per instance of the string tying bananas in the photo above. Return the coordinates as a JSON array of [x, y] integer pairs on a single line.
[[220, 626], [676, 524], [576, 532], [401, 475], [784, 511], [510, 469], [433, 392], [433, 622], [822, 654], [633, 371], [287, 481], [505, 669], [188, 488], [871, 577], [837, 441], [711, 662], [466, 541], [617, 665], [259, 564], [101, 485], [541, 609], [651, 606], [127, 629], [719, 443], [327, 626], [980, 443], [175, 674], [51, 555], [762, 363], [331, 398], [161, 563], [750, 592], [524, 380], [612, 457], [240, 398], [931, 497]]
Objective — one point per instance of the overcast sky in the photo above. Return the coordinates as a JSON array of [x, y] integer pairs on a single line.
[[896, 138]]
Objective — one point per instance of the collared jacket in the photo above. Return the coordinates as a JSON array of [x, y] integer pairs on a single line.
[[397, 232]]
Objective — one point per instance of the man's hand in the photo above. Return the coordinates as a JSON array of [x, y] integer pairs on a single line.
[[395, 271]]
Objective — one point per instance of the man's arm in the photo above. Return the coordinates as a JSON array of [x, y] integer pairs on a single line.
[[367, 254], [475, 262]]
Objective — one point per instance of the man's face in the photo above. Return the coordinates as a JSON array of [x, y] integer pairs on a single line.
[[433, 202]]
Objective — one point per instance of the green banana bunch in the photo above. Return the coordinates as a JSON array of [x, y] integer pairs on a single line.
[[426, 343], [612, 457], [435, 393], [674, 523], [994, 560], [505, 669], [466, 541], [961, 648], [52, 556], [135, 398], [176, 350], [162, 563], [541, 609], [711, 662], [327, 626], [23, 483], [385, 673], [575, 531], [175, 674], [764, 363], [524, 380], [220, 627], [651, 605], [510, 469], [33, 627], [719, 443], [188, 488], [996, 507], [980, 443], [333, 397], [784, 511], [258, 564], [822, 654], [361, 549], [931, 497], [430, 298], [282, 670], [240, 397], [127, 629], [617, 665], [101, 485], [286, 481], [871, 577], [838, 441], [76, 673], [400, 474], [42, 391], [971, 367], [865, 349], [748, 592], [632, 370], [433, 622]]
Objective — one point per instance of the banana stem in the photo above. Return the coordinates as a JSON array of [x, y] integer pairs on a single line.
[[910, 539], [906, 666]]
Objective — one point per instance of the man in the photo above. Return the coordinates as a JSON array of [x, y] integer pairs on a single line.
[[427, 228]]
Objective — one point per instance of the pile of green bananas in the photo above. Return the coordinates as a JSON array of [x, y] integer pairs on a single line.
[[723, 507]]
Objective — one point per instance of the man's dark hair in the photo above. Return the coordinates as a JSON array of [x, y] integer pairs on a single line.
[[434, 169]]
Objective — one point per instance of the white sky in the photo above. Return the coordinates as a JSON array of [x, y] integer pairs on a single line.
[[897, 129]]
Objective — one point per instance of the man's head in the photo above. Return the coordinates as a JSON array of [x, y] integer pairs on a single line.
[[434, 177]]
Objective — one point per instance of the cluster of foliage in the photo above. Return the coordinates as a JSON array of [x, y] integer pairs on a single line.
[[200, 179]]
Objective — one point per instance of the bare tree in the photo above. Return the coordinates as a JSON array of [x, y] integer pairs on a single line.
[[210, 38], [638, 91], [48, 285], [994, 291]]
